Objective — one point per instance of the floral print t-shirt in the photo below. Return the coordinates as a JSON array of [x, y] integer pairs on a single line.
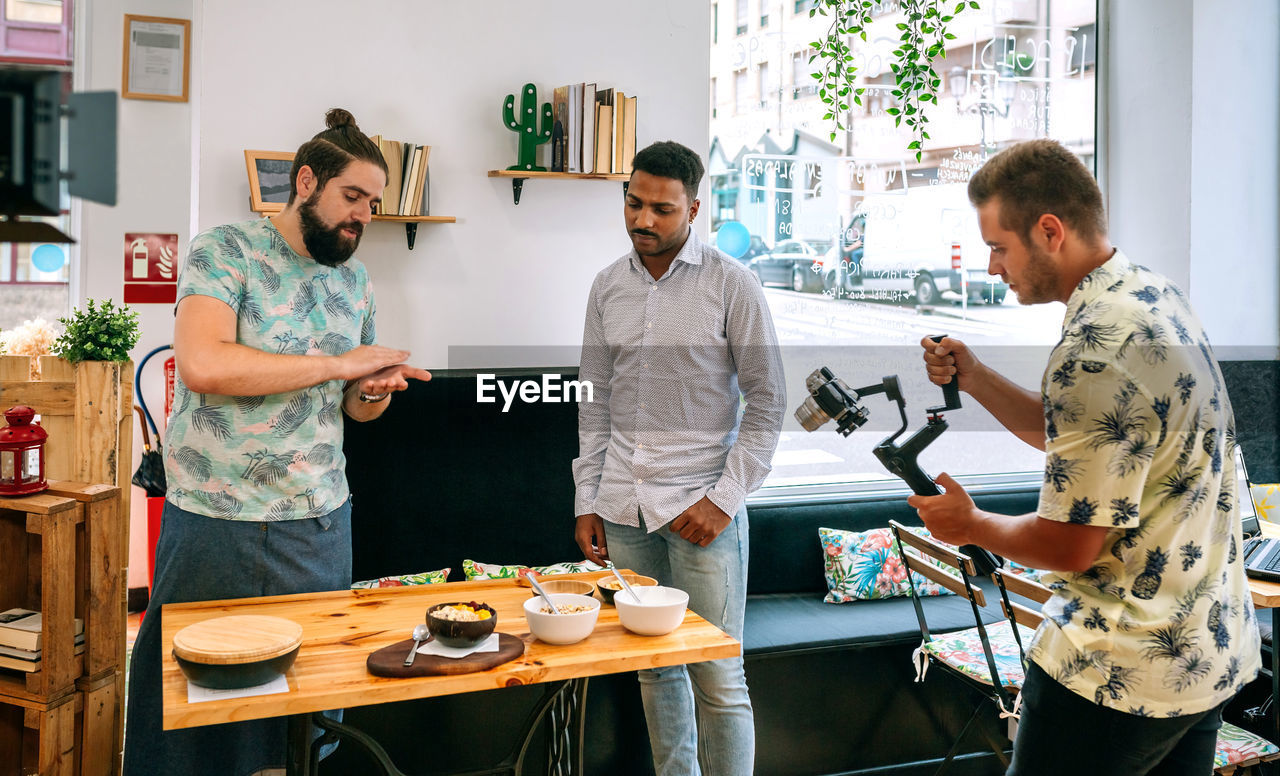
[[1139, 438], [276, 457]]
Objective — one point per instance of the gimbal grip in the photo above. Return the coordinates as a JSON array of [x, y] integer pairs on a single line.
[[951, 390]]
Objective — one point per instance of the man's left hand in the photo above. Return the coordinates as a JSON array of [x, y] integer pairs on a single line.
[[391, 379], [701, 523], [949, 517]]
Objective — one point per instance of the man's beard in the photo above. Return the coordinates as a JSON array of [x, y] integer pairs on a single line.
[[327, 245], [1040, 280]]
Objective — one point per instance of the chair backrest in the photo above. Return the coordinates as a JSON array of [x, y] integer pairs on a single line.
[[959, 577], [1019, 613]]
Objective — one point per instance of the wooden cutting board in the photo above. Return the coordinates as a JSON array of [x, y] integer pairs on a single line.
[[236, 638], [389, 661]]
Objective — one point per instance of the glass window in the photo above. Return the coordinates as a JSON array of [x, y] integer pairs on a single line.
[[715, 99], [34, 278], [891, 248], [715, 23], [741, 96], [741, 18], [38, 11]]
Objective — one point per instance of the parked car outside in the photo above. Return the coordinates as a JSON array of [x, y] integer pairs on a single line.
[[796, 264]]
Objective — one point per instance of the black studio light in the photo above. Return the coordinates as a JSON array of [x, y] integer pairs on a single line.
[[32, 116]]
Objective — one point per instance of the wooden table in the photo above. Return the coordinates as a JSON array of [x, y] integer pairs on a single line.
[[1266, 595], [340, 629]]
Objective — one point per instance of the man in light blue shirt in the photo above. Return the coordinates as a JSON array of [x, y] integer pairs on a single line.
[[677, 334]]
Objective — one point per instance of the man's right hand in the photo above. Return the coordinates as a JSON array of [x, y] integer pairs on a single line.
[[367, 359], [589, 533], [949, 359]]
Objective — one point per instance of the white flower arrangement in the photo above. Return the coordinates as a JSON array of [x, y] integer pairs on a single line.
[[32, 338]]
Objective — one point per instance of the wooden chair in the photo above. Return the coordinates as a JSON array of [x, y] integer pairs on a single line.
[[1238, 750], [986, 659]]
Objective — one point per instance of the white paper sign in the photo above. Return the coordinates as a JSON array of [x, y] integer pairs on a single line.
[[156, 58], [198, 694]]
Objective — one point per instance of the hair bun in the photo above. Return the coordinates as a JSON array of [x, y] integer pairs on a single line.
[[339, 117]]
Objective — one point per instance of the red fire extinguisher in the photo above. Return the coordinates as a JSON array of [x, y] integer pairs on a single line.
[[170, 374]]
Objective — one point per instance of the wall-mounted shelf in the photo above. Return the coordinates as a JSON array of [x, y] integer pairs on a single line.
[[518, 177], [410, 222]]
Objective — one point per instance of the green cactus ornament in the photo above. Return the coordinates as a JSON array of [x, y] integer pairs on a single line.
[[527, 126]]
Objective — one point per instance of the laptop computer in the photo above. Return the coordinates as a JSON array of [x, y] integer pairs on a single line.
[[1261, 554]]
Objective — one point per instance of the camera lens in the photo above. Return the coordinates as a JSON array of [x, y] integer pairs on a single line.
[[810, 415]]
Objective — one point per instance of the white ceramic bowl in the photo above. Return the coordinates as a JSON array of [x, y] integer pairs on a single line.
[[561, 628], [660, 610]]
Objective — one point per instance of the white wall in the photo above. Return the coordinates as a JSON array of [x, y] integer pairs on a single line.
[[1192, 179], [153, 195], [437, 73]]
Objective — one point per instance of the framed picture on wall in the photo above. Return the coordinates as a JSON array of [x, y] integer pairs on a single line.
[[157, 58], [268, 179]]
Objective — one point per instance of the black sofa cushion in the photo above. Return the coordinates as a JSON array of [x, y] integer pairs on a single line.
[[796, 622]]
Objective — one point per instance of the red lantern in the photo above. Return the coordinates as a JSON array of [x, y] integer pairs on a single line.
[[22, 453]]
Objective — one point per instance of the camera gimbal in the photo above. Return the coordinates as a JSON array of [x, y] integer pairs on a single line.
[[831, 399]]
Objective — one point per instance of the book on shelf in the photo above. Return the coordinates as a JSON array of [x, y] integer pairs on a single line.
[[392, 153], [560, 129], [588, 127], [619, 107], [628, 135], [21, 628], [411, 181], [420, 157], [604, 137], [574, 161], [28, 660]]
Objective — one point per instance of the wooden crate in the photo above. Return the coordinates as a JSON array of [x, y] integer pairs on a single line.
[[38, 571], [99, 723], [87, 408], [40, 737]]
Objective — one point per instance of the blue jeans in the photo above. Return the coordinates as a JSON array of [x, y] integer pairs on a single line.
[[706, 727], [202, 558], [1063, 733]]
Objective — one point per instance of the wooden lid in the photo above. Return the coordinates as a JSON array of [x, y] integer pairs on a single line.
[[237, 638]]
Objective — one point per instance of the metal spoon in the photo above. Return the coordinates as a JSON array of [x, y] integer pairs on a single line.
[[614, 569], [420, 632], [544, 595]]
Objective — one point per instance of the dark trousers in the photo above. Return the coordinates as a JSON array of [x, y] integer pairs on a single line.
[[1062, 733], [202, 558]]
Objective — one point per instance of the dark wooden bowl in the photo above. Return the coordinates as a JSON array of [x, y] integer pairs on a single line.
[[235, 676], [457, 633], [635, 580]]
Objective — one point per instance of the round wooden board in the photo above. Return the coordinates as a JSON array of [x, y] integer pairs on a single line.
[[236, 638], [389, 661]]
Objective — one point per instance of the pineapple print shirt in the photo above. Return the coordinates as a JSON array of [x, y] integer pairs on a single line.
[[276, 457], [1139, 438]]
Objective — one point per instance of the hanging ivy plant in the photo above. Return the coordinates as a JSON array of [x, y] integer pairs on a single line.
[[924, 36]]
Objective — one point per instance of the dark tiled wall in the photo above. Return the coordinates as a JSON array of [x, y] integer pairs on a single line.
[[1254, 388]]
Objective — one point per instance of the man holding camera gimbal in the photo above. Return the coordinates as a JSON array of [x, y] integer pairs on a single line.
[[1150, 630]]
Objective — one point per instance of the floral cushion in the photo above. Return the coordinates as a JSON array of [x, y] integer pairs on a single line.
[[475, 570], [1035, 575], [865, 566], [962, 651], [1238, 747], [425, 578]]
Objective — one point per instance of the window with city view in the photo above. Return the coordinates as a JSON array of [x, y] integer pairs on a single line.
[[34, 277], [862, 248]]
